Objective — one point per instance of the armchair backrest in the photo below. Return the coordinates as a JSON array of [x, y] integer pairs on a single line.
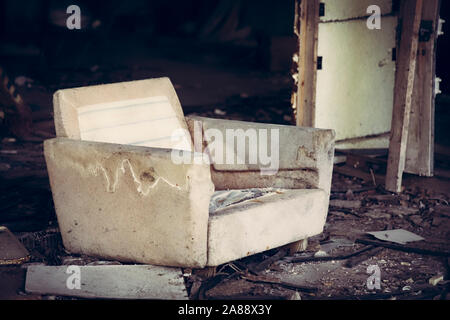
[[142, 113]]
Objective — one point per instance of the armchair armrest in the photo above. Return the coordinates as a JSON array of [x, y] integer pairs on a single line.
[[273, 155], [169, 202]]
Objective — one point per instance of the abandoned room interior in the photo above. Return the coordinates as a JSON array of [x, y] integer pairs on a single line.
[[224, 150]]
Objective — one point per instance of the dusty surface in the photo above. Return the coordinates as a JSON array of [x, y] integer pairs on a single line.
[[403, 275]]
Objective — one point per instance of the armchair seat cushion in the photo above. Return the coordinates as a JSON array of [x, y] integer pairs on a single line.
[[258, 224]]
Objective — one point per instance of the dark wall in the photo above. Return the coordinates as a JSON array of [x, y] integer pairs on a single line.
[[28, 17]]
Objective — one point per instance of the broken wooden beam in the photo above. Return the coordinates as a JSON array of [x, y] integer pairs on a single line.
[[420, 146], [355, 260], [266, 263], [275, 281], [410, 15], [307, 62]]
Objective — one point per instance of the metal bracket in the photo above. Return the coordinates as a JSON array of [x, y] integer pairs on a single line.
[[440, 27], [437, 82]]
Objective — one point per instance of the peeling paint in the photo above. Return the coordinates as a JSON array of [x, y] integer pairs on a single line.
[[113, 168], [143, 187], [305, 157]]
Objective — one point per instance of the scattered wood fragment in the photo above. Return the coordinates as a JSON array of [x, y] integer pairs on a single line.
[[405, 248], [403, 211], [377, 214], [275, 281], [355, 260], [435, 280], [331, 257], [358, 190], [207, 272], [347, 204], [386, 198], [261, 266], [375, 152], [347, 211], [211, 283]]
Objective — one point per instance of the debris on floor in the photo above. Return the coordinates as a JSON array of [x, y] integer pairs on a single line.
[[333, 265], [107, 281], [12, 250], [398, 236]]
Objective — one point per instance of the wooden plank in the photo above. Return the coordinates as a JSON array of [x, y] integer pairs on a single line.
[[107, 281], [307, 65], [410, 15], [352, 172], [420, 146]]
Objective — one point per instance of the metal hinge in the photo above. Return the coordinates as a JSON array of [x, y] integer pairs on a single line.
[[440, 27], [437, 82]]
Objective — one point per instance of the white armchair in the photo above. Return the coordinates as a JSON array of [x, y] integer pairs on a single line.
[[120, 194]]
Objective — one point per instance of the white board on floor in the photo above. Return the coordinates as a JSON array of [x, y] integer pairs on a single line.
[[107, 282]]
